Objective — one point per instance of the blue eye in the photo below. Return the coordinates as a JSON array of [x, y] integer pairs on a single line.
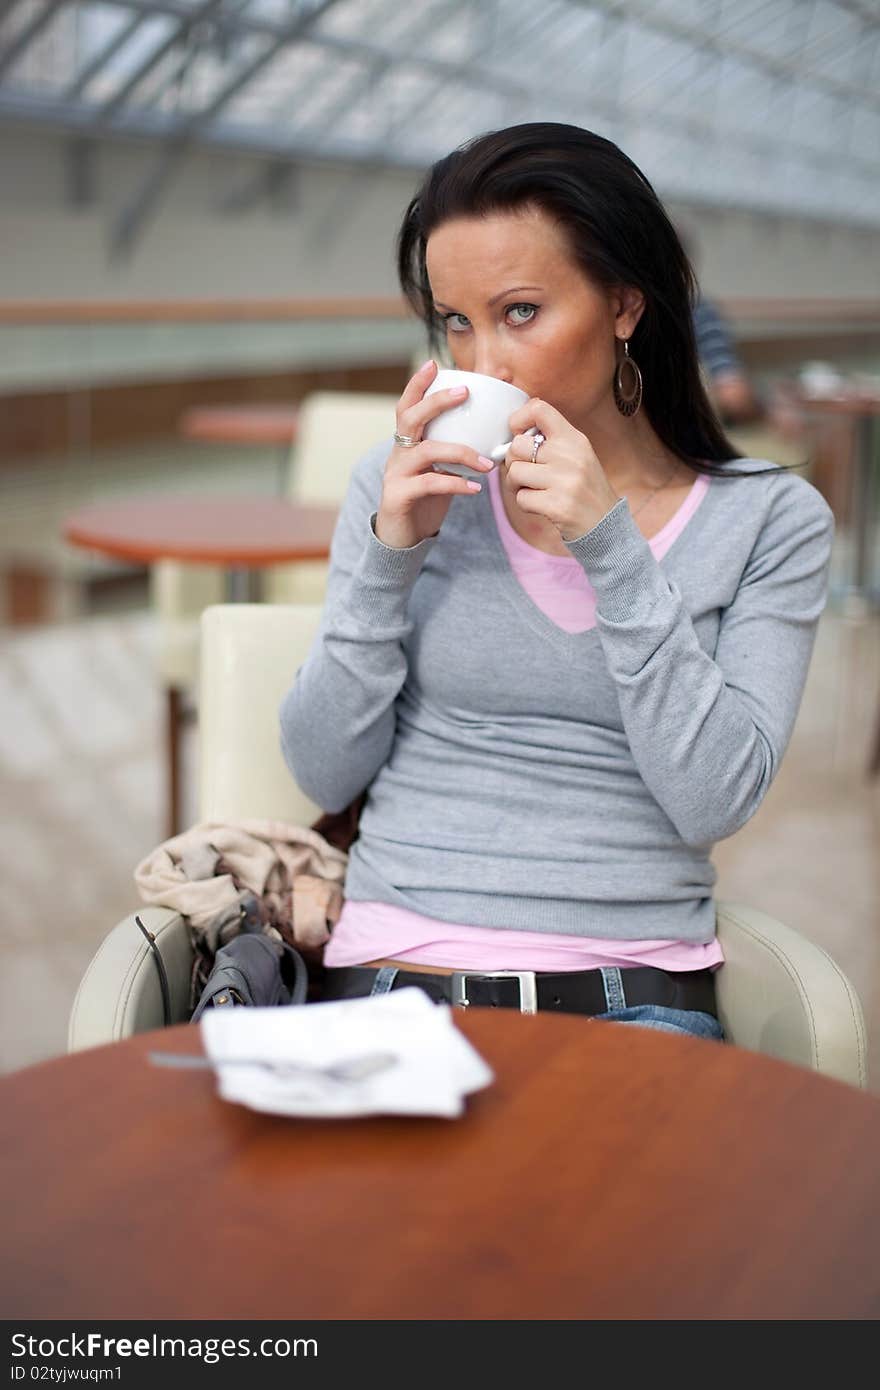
[[456, 328], [529, 310]]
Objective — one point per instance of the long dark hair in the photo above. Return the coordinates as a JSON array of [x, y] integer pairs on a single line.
[[620, 235]]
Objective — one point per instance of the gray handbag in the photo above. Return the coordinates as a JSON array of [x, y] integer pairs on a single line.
[[253, 970]]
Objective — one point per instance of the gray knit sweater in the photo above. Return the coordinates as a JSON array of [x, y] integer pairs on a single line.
[[520, 776]]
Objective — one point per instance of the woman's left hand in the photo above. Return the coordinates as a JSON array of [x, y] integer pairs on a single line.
[[566, 484]]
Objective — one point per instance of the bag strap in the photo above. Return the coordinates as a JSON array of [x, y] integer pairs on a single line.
[[163, 974], [299, 988]]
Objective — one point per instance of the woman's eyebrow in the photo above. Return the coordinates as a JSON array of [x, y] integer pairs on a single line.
[[515, 289]]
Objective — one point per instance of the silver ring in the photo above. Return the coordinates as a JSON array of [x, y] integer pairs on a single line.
[[405, 441], [536, 444]]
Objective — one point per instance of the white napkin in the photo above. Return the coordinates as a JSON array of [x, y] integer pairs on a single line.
[[425, 1066]]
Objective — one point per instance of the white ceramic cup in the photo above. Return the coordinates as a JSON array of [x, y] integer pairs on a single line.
[[482, 420]]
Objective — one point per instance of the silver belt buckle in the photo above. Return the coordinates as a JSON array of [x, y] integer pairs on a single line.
[[528, 990]]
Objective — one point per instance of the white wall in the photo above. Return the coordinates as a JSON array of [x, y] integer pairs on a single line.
[[335, 235], [744, 255]]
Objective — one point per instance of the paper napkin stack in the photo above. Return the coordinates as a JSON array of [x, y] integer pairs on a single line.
[[391, 1054]]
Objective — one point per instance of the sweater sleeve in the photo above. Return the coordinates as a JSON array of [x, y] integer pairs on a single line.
[[338, 717], [708, 732]]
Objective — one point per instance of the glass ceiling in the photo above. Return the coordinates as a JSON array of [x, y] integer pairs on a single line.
[[772, 105]]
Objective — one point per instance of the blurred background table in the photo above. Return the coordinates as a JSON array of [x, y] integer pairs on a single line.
[[242, 534], [862, 409], [270, 423]]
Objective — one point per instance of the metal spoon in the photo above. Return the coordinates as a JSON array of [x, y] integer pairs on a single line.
[[351, 1069]]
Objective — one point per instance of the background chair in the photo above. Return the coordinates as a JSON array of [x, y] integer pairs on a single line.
[[334, 429], [777, 993]]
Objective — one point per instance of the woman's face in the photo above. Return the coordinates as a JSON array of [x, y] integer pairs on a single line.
[[518, 307]]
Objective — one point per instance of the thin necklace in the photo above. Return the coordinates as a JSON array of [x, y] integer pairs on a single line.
[[652, 494]]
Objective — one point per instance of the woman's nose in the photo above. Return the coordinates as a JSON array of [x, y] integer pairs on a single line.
[[490, 360]]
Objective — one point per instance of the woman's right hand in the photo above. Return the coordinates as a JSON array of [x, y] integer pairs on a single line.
[[415, 499]]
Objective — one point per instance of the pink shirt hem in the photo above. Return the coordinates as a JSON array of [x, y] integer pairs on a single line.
[[380, 931]]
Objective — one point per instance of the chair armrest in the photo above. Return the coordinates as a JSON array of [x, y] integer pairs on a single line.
[[781, 994], [120, 994]]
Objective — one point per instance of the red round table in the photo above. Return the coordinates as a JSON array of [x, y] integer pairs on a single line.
[[262, 423], [269, 423], [239, 534]]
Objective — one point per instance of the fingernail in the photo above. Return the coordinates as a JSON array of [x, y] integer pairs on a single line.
[[487, 463], [425, 365], [475, 487], [459, 391]]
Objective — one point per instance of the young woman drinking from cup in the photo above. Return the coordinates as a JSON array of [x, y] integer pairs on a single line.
[[560, 684]]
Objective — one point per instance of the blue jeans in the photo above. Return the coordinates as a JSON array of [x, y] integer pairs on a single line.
[[690, 1021]]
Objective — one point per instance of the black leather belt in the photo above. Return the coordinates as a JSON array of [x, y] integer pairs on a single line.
[[571, 992]]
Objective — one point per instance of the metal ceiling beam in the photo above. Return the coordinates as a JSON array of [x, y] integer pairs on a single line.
[[134, 215], [664, 23], [274, 181], [110, 49], [149, 127], [865, 10], [177, 134], [236, 25], [378, 66], [661, 74], [648, 17], [28, 33], [81, 170], [695, 127], [7, 6], [188, 56], [538, 19], [153, 59]]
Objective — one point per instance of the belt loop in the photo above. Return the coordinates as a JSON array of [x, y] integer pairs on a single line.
[[384, 981], [612, 983]]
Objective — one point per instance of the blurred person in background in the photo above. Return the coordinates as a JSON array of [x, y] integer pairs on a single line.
[[726, 377]]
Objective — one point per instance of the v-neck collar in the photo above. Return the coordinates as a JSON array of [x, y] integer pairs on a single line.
[[536, 618]]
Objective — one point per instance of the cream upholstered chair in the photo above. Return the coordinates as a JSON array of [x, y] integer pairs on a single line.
[[333, 429], [250, 654], [777, 992]]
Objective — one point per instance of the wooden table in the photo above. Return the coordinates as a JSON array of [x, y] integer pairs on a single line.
[[610, 1172], [241, 534], [263, 423]]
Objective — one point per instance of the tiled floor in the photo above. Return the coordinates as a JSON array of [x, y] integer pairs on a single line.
[[81, 773]]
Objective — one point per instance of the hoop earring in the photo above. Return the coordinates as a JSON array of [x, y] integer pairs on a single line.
[[627, 394]]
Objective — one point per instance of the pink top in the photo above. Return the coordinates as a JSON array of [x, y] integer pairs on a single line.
[[368, 931]]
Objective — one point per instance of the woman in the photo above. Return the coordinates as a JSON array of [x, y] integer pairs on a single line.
[[560, 686]]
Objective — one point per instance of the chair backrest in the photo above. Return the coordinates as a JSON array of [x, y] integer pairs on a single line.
[[780, 994], [334, 429], [250, 654]]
